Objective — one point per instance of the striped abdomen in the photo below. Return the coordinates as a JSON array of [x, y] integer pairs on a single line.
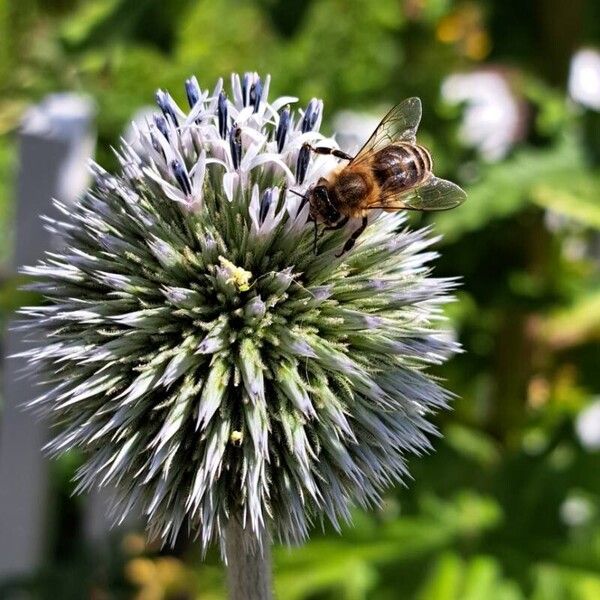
[[401, 166]]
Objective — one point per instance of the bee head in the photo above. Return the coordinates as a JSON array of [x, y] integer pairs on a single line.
[[321, 207]]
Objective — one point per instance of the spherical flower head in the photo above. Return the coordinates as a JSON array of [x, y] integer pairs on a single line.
[[208, 361]]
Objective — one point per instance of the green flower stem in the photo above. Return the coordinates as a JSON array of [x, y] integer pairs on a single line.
[[248, 565]]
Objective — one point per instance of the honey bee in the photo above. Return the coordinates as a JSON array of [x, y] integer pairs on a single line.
[[390, 172]]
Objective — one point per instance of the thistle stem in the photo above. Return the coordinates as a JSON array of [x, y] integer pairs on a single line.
[[248, 567]]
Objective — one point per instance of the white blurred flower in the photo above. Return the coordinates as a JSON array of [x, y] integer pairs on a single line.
[[576, 510], [584, 78], [588, 426], [59, 115], [492, 120], [353, 129]]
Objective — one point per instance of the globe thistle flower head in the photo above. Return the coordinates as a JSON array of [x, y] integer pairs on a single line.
[[212, 365]]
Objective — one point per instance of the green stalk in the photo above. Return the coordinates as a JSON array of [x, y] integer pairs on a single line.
[[248, 566]]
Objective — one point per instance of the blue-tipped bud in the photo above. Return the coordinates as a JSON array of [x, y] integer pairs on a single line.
[[255, 93], [265, 203], [282, 128], [222, 114], [192, 90], [181, 176], [165, 103], [311, 115], [302, 163], [246, 83], [235, 143], [161, 125]]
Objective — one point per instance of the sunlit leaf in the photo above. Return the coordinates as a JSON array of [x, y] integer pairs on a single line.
[[577, 198]]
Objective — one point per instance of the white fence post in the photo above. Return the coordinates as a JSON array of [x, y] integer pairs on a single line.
[[56, 141]]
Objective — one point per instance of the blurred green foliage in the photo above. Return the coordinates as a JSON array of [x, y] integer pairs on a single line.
[[508, 508]]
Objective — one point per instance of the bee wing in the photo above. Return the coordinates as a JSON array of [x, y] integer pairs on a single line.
[[399, 125], [434, 194]]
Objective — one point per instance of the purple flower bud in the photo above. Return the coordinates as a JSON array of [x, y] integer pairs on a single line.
[[311, 115], [192, 91], [161, 125], [282, 128], [265, 203], [235, 143], [222, 114], [181, 176], [255, 94], [302, 163], [165, 103], [246, 83]]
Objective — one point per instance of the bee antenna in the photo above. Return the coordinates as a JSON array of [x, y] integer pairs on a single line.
[[304, 200], [298, 194]]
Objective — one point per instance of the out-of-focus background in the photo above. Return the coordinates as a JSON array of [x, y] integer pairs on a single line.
[[508, 507]]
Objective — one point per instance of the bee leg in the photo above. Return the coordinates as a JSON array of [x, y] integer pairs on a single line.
[[352, 239], [338, 225], [325, 150], [316, 237]]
